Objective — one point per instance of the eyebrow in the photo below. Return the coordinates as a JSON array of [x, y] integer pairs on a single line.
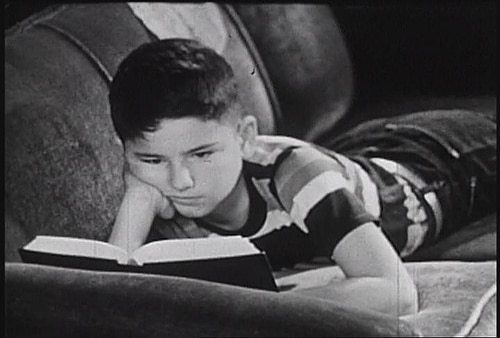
[[201, 147]]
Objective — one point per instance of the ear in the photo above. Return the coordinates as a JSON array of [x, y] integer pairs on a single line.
[[247, 133]]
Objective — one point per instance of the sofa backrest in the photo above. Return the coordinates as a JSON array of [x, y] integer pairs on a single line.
[[63, 160], [308, 63]]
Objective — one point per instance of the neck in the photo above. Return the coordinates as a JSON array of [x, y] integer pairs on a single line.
[[232, 213]]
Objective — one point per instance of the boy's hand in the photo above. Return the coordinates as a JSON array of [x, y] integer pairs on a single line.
[[139, 206], [139, 189]]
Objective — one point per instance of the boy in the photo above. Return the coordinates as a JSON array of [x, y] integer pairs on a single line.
[[195, 166]]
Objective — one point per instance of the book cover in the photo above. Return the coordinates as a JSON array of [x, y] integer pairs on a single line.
[[231, 260]]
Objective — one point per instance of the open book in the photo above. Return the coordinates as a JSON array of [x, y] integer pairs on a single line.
[[231, 260]]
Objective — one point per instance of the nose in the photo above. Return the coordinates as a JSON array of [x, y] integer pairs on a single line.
[[180, 177]]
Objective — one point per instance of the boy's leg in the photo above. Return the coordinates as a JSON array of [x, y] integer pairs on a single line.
[[452, 150], [469, 139]]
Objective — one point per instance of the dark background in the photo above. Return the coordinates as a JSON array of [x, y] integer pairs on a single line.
[[399, 46], [405, 48], [15, 11]]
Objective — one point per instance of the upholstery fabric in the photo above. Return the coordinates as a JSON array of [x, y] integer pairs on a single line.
[[308, 63], [217, 26], [450, 294], [202, 22], [55, 302], [63, 159], [14, 236], [257, 91]]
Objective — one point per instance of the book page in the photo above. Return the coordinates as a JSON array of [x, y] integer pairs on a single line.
[[77, 247], [175, 250]]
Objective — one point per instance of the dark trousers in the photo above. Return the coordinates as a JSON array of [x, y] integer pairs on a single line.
[[454, 151]]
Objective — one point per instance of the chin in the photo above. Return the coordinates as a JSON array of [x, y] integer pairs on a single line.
[[192, 212]]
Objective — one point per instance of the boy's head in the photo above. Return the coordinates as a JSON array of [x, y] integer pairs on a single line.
[[174, 105], [170, 78]]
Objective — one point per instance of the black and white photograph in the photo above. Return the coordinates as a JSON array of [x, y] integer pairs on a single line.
[[226, 169]]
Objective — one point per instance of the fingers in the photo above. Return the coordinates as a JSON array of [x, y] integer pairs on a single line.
[[167, 210], [135, 186]]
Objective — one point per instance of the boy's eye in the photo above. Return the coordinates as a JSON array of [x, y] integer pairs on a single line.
[[151, 160], [203, 154]]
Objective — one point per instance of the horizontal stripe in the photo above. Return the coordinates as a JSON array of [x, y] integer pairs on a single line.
[[365, 188], [334, 217], [262, 186], [275, 140], [275, 220], [268, 148], [299, 158], [315, 191], [264, 157], [358, 187], [295, 173], [369, 192]]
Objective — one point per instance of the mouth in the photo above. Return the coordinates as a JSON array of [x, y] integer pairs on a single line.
[[183, 200]]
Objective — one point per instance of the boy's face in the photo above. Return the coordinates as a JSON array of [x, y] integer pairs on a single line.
[[194, 163]]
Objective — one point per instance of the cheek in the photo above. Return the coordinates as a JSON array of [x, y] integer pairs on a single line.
[[218, 175], [154, 175]]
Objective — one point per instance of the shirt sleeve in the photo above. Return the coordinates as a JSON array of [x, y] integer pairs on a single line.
[[320, 197], [333, 217]]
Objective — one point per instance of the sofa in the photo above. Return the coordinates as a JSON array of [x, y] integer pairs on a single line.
[[63, 166]]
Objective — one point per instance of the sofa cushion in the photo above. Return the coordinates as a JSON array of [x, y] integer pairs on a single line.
[[54, 302], [456, 299]]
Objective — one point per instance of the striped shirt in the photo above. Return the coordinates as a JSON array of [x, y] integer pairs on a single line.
[[303, 201]]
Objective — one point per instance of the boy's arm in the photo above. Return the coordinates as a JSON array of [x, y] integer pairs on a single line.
[[139, 206], [376, 278], [322, 196]]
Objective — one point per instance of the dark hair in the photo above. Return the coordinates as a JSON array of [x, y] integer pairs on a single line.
[[169, 78]]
